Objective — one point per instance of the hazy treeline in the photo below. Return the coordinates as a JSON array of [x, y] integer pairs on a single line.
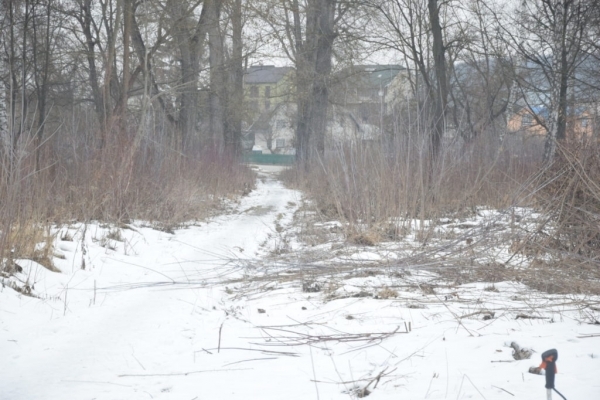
[[97, 89], [103, 70]]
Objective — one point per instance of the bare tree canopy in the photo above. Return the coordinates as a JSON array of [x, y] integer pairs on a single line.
[[468, 66]]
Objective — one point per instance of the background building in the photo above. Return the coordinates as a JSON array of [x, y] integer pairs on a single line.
[[265, 86]]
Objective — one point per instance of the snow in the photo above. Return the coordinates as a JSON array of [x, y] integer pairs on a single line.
[[206, 313]]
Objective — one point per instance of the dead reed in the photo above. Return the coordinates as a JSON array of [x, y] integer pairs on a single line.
[[380, 189], [72, 178]]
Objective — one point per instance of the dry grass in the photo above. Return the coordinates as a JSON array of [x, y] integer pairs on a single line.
[[378, 193], [570, 196], [30, 240], [387, 293], [122, 181], [553, 244]]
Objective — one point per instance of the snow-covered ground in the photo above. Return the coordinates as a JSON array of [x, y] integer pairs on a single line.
[[206, 313]]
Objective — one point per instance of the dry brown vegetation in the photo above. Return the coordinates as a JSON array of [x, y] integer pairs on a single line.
[[570, 196], [552, 244], [370, 187], [113, 184]]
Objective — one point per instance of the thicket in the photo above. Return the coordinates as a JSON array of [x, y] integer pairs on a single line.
[[372, 185], [381, 193], [569, 199], [70, 179]]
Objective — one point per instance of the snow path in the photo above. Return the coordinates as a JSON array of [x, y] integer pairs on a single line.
[[147, 330], [151, 328]]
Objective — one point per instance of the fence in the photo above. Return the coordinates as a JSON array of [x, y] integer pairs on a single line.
[[271, 159]]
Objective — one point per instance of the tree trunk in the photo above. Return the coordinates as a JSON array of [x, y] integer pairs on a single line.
[[14, 84], [233, 123], [560, 83], [41, 81], [313, 65], [127, 10], [217, 95], [146, 65], [24, 102], [4, 126], [190, 44], [97, 95], [441, 88]]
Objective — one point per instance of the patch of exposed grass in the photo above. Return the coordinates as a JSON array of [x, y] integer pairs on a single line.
[[32, 241]]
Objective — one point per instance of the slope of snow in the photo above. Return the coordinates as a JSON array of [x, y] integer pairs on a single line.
[[194, 315]]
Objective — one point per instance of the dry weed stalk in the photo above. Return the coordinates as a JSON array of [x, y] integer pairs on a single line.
[[379, 193], [379, 196], [75, 179]]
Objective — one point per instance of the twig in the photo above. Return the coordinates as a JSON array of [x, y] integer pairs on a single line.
[[377, 379], [66, 293], [99, 382], [251, 359], [503, 390], [314, 372], [138, 361], [219, 346], [447, 374], [430, 382], [460, 388], [475, 386], [525, 316], [486, 312], [457, 318], [591, 335], [184, 373], [285, 353], [299, 338]]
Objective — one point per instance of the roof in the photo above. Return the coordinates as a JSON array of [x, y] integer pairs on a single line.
[[265, 74]]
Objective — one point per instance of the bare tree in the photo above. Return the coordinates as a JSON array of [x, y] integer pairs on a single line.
[[418, 30], [42, 69], [235, 84], [127, 6], [225, 25], [189, 33], [99, 27], [313, 67], [217, 96], [439, 91], [306, 31], [482, 73], [553, 45], [4, 133]]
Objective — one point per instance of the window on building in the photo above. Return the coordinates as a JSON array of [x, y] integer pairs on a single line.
[[267, 104], [254, 106], [585, 122], [527, 120], [279, 143], [268, 91], [280, 124], [254, 91]]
